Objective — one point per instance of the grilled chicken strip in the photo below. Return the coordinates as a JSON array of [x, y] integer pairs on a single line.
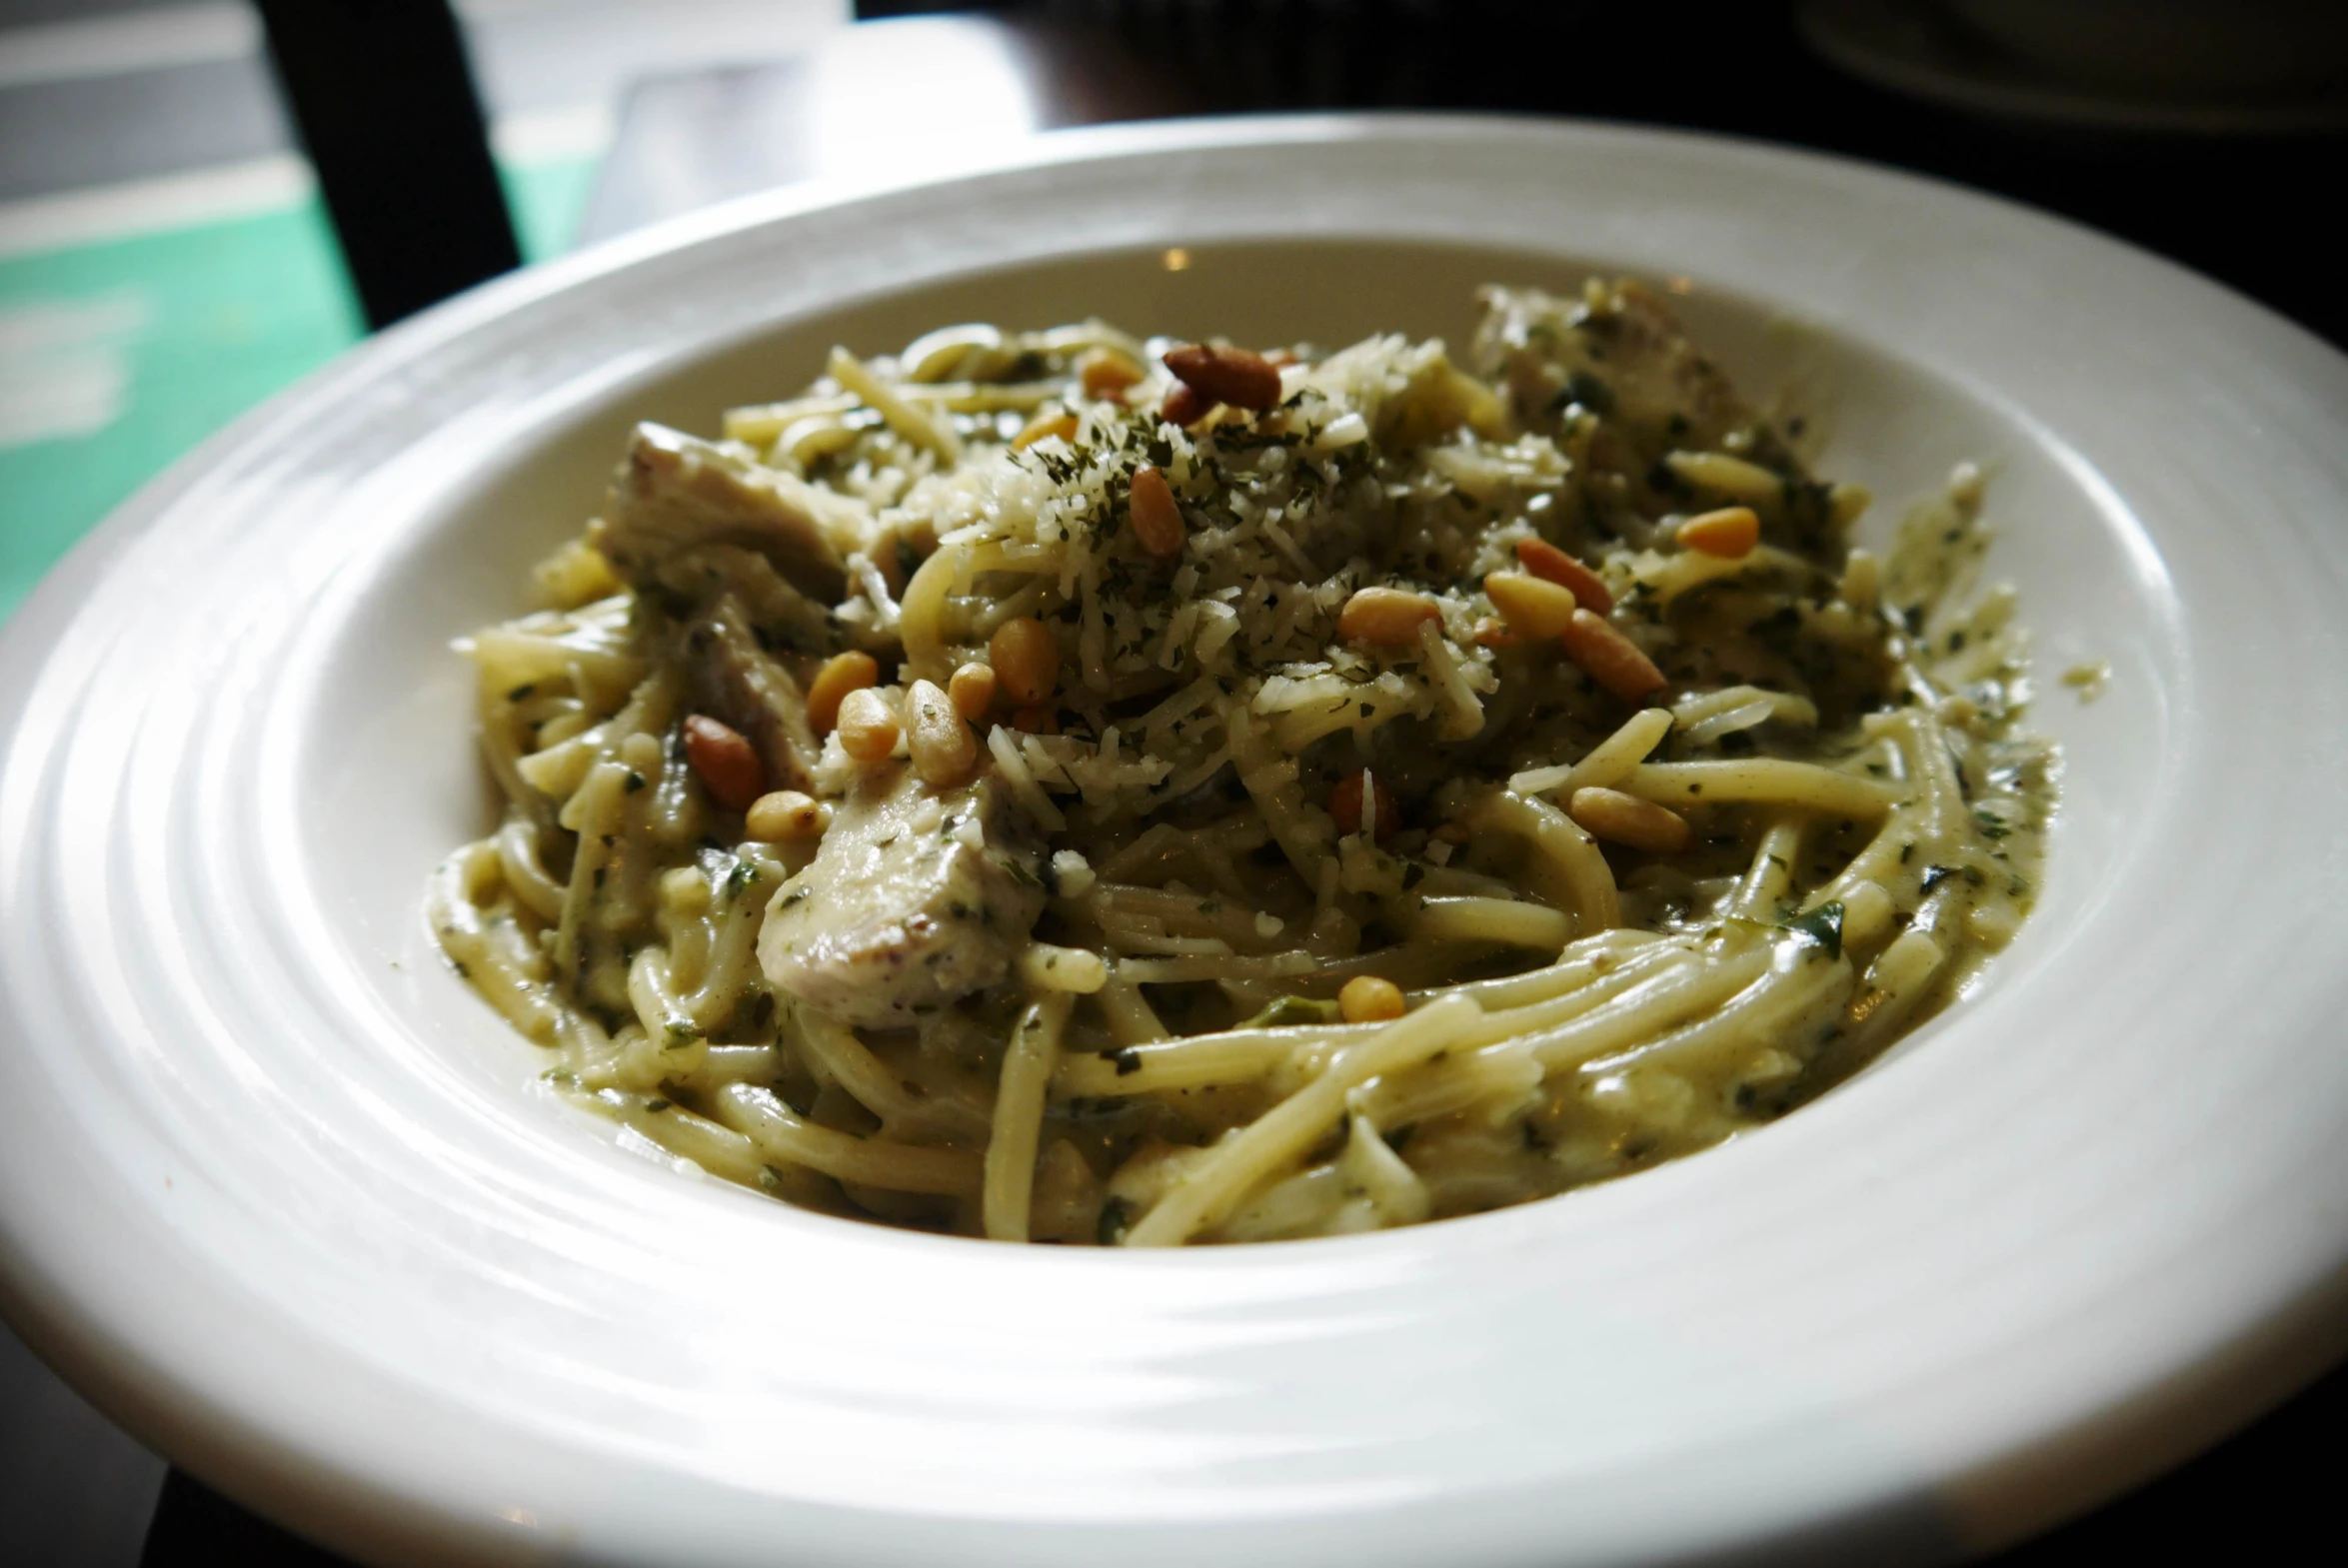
[[917, 896], [732, 678], [675, 494]]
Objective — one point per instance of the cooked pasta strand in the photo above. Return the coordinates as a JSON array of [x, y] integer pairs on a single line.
[[1763, 779], [1019, 1116], [780, 1135], [1206, 1192]]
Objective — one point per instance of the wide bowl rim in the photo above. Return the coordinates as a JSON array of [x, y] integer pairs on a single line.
[[244, 1454]]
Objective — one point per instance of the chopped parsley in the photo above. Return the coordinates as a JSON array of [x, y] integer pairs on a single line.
[[1822, 925]]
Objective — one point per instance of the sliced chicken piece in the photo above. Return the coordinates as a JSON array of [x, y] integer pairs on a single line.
[[787, 620], [1617, 352], [675, 494], [917, 897], [731, 678]]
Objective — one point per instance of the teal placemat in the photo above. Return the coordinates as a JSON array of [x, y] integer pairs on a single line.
[[118, 355]]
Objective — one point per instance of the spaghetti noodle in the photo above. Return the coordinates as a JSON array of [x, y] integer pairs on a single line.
[[1059, 788]]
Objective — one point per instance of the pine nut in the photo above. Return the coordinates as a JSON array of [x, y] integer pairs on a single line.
[[1186, 406], [868, 726], [729, 766], [1157, 521], [1385, 617], [1730, 533], [787, 817], [1626, 820], [1366, 998], [1036, 720], [973, 691], [840, 674], [1724, 475], [1611, 658], [1534, 607], [1026, 658], [1492, 631], [1106, 373], [1227, 375], [939, 742], [1044, 426], [1546, 562], [1346, 802]]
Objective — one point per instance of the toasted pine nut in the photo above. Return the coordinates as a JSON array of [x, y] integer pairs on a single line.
[[1227, 375], [973, 691], [1731, 532], [1106, 373], [1552, 565], [1158, 520], [1625, 818], [1385, 617], [840, 674], [787, 817], [1613, 660], [1534, 607], [729, 766], [1043, 426], [1186, 406], [1026, 658], [1344, 804], [1724, 475], [939, 742], [1034, 720], [1368, 999], [1492, 631], [868, 726]]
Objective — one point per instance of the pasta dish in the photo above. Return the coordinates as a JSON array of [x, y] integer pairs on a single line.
[[1057, 786]]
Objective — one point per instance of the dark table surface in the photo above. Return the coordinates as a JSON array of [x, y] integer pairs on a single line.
[[2229, 191]]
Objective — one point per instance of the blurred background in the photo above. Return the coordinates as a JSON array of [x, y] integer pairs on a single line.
[[202, 201]]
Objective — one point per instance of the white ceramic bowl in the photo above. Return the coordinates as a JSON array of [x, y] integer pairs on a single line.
[[279, 1192]]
